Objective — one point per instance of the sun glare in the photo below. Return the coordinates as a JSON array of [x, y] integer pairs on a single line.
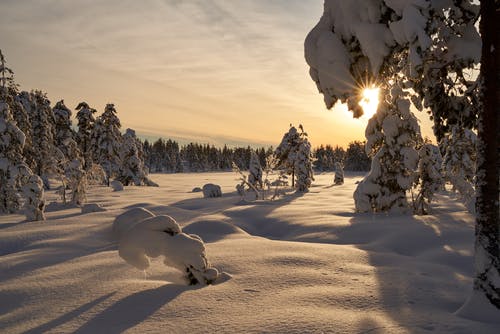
[[370, 100]]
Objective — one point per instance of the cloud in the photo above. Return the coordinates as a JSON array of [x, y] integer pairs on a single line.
[[220, 69]]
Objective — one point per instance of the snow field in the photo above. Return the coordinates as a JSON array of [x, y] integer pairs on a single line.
[[300, 264]]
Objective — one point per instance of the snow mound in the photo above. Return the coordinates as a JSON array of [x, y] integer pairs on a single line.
[[213, 230], [128, 219], [156, 236], [211, 190], [92, 207], [116, 185]]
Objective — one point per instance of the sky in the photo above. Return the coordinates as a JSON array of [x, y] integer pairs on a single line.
[[219, 72]]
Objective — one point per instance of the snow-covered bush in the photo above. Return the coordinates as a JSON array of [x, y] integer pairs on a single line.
[[129, 218], [211, 190], [430, 180], [339, 174], [150, 237], [294, 158], [116, 185]]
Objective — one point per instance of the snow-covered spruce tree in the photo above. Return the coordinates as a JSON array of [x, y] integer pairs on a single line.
[[339, 174], [43, 125], [293, 152], [392, 135], [16, 178], [255, 171], [76, 179], [64, 135], [132, 169], [429, 180], [86, 120], [33, 193], [106, 141], [352, 34], [303, 165], [459, 162]]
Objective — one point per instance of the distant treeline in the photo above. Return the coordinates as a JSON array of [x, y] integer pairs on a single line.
[[167, 156]]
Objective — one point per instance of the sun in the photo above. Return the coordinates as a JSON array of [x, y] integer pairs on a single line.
[[369, 101]]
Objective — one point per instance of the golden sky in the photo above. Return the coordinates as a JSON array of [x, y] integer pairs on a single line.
[[194, 70]]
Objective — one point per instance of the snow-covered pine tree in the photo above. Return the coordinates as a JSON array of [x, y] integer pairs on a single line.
[[255, 171], [33, 193], [459, 162], [294, 152], [339, 174], [392, 135], [106, 141], [11, 156], [303, 164], [43, 125], [16, 178], [132, 169], [382, 35], [76, 179], [86, 120], [64, 136], [429, 180]]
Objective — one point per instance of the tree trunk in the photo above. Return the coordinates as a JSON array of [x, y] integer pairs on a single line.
[[487, 261]]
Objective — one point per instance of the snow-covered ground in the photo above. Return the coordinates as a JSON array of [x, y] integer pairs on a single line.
[[301, 264]]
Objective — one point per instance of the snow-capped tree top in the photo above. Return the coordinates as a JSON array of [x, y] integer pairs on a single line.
[[61, 111], [351, 45]]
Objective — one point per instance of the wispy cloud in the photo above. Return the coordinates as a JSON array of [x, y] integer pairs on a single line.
[[234, 68]]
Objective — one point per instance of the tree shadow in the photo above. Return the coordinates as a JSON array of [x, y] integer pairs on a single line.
[[419, 267], [68, 316], [132, 310]]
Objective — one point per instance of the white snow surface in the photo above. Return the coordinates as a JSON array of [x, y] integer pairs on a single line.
[[305, 263]]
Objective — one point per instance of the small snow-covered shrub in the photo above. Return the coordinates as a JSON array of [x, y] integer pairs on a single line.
[[339, 174], [92, 207], [211, 190], [116, 185], [126, 220], [161, 236]]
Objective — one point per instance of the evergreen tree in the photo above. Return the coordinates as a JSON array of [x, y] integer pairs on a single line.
[[294, 157], [459, 162], [16, 178], [339, 174], [107, 140], [430, 180], [86, 120], [64, 136], [356, 159], [255, 171], [303, 165], [132, 170], [392, 136]]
